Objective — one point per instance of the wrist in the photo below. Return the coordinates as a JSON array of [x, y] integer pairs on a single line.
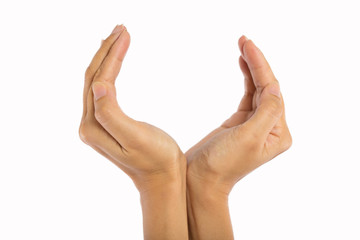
[[208, 210], [156, 181], [206, 183], [200, 191], [164, 188]]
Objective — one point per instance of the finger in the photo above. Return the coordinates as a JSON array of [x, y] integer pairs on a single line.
[[96, 62], [94, 135], [111, 65], [105, 47], [241, 43], [247, 100], [283, 132], [108, 113], [261, 72], [267, 114], [248, 83]]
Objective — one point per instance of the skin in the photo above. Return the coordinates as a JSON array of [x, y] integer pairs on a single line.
[[180, 191], [253, 135], [149, 156]]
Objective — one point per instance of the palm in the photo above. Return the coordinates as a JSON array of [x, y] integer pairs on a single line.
[[158, 144], [247, 107], [210, 152]]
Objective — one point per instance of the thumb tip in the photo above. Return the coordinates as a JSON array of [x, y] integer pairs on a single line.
[[99, 90]]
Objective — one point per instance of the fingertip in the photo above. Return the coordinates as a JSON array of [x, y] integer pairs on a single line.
[[241, 43], [118, 29], [251, 50], [124, 30], [127, 35], [247, 47], [243, 38], [124, 41]]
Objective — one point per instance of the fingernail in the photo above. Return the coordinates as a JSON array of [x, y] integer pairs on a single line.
[[118, 29], [245, 38], [99, 90], [275, 89]]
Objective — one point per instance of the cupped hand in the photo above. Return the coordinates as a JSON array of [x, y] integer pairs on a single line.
[[253, 135], [146, 153]]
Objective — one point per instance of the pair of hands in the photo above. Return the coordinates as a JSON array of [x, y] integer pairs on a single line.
[[206, 173]]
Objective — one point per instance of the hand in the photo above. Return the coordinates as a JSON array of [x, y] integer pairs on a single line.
[[148, 155], [253, 135], [141, 150]]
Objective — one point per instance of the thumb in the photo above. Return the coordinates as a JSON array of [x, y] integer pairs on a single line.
[[267, 113], [109, 114]]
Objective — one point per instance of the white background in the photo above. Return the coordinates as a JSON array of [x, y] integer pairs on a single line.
[[181, 74]]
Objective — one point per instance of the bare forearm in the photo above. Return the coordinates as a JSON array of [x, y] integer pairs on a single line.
[[208, 214], [164, 212]]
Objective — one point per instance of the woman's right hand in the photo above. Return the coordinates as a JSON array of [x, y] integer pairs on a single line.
[[146, 153]]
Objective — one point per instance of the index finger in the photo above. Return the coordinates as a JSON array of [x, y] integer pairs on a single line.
[[261, 72], [97, 61]]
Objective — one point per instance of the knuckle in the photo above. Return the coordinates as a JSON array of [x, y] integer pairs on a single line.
[[89, 72], [275, 104], [276, 80], [287, 141], [85, 133], [107, 43], [274, 108], [98, 73], [103, 114], [102, 75]]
